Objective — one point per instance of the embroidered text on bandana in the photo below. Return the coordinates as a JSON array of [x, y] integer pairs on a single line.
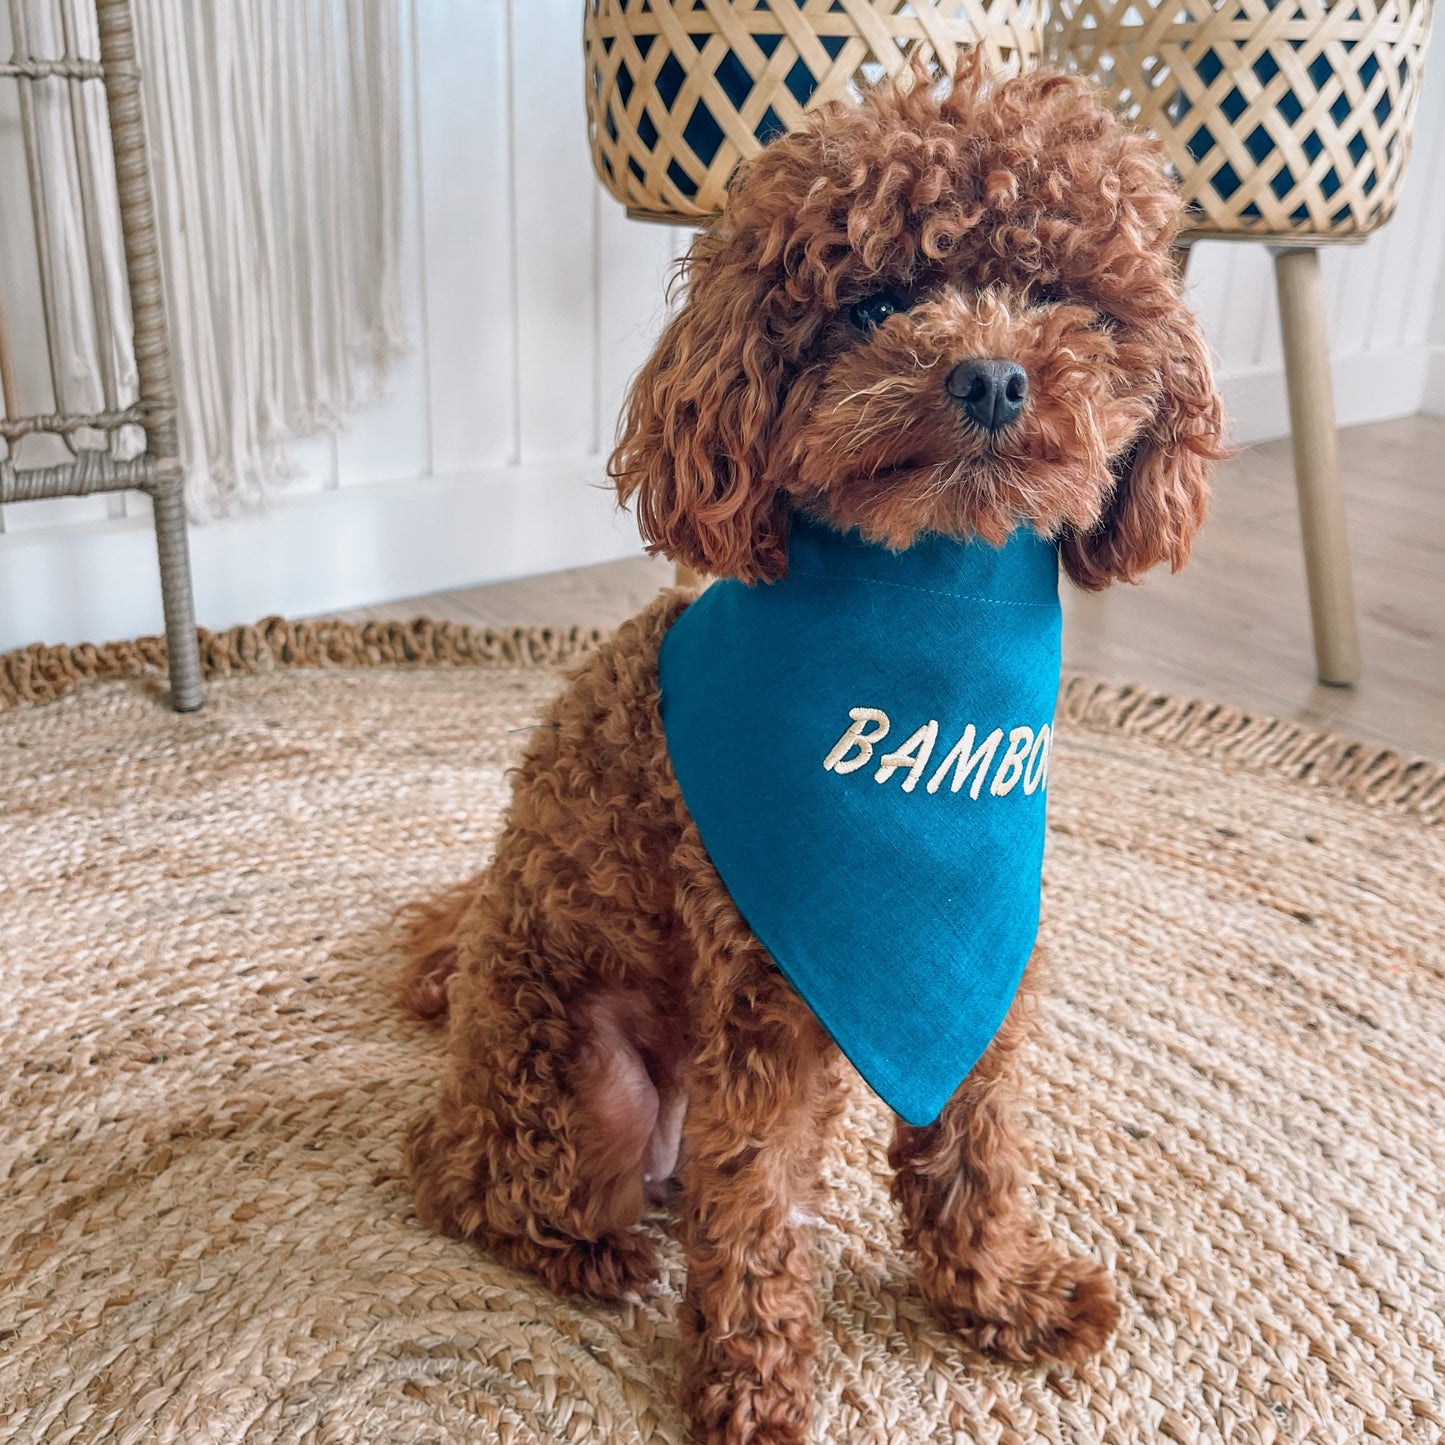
[[864, 748]]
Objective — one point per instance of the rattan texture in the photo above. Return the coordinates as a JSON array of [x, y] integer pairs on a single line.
[[204, 1080], [678, 91], [1284, 118], [96, 466]]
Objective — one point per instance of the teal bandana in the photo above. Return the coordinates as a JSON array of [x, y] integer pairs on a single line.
[[864, 748]]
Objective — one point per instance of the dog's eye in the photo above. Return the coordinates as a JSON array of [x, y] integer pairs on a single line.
[[1048, 296], [872, 311]]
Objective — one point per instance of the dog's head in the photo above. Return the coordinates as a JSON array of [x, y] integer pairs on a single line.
[[925, 314]]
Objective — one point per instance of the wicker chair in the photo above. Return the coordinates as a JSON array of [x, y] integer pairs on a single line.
[[156, 471], [1288, 121]]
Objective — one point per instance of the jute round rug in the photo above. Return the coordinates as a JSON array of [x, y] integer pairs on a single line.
[[1237, 1092]]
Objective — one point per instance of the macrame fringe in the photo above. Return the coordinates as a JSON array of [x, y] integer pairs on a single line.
[[275, 136], [1374, 775], [284, 282]]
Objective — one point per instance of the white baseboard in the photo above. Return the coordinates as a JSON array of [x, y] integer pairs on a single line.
[[309, 554], [1434, 401], [1369, 386]]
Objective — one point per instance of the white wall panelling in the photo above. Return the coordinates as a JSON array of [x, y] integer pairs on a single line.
[[465, 157], [531, 300]]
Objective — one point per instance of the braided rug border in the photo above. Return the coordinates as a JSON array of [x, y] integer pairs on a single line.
[[1371, 774]]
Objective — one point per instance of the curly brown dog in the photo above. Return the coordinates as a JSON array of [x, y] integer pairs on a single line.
[[613, 1020]]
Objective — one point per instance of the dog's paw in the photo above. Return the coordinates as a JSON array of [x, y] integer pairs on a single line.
[[747, 1396], [1060, 1313], [741, 1411], [600, 1269]]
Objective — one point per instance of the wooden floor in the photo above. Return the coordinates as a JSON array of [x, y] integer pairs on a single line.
[[1234, 626]]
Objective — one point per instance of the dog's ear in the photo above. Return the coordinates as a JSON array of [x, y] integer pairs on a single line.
[[1161, 485], [694, 440]]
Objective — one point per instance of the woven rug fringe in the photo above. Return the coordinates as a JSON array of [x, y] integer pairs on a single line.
[[1369, 773], [40, 674]]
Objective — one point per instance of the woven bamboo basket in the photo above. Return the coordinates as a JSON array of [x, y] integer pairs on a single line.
[[1284, 118], [678, 91]]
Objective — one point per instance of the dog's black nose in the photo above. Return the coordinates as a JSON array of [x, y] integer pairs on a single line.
[[991, 392]]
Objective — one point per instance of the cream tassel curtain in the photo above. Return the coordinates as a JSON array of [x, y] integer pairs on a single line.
[[274, 128]]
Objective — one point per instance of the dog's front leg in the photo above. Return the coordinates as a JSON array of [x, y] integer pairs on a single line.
[[983, 1261], [749, 1188], [759, 1099]]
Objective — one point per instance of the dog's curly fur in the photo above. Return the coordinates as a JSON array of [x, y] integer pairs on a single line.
[[613, 1021]]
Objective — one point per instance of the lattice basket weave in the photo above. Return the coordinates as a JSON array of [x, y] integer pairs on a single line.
[[678, 91], [1286, 118]]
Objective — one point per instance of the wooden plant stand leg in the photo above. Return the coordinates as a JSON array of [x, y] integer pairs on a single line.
[[1317, 463]]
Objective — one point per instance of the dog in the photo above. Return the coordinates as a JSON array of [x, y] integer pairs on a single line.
[[615, 1022]]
